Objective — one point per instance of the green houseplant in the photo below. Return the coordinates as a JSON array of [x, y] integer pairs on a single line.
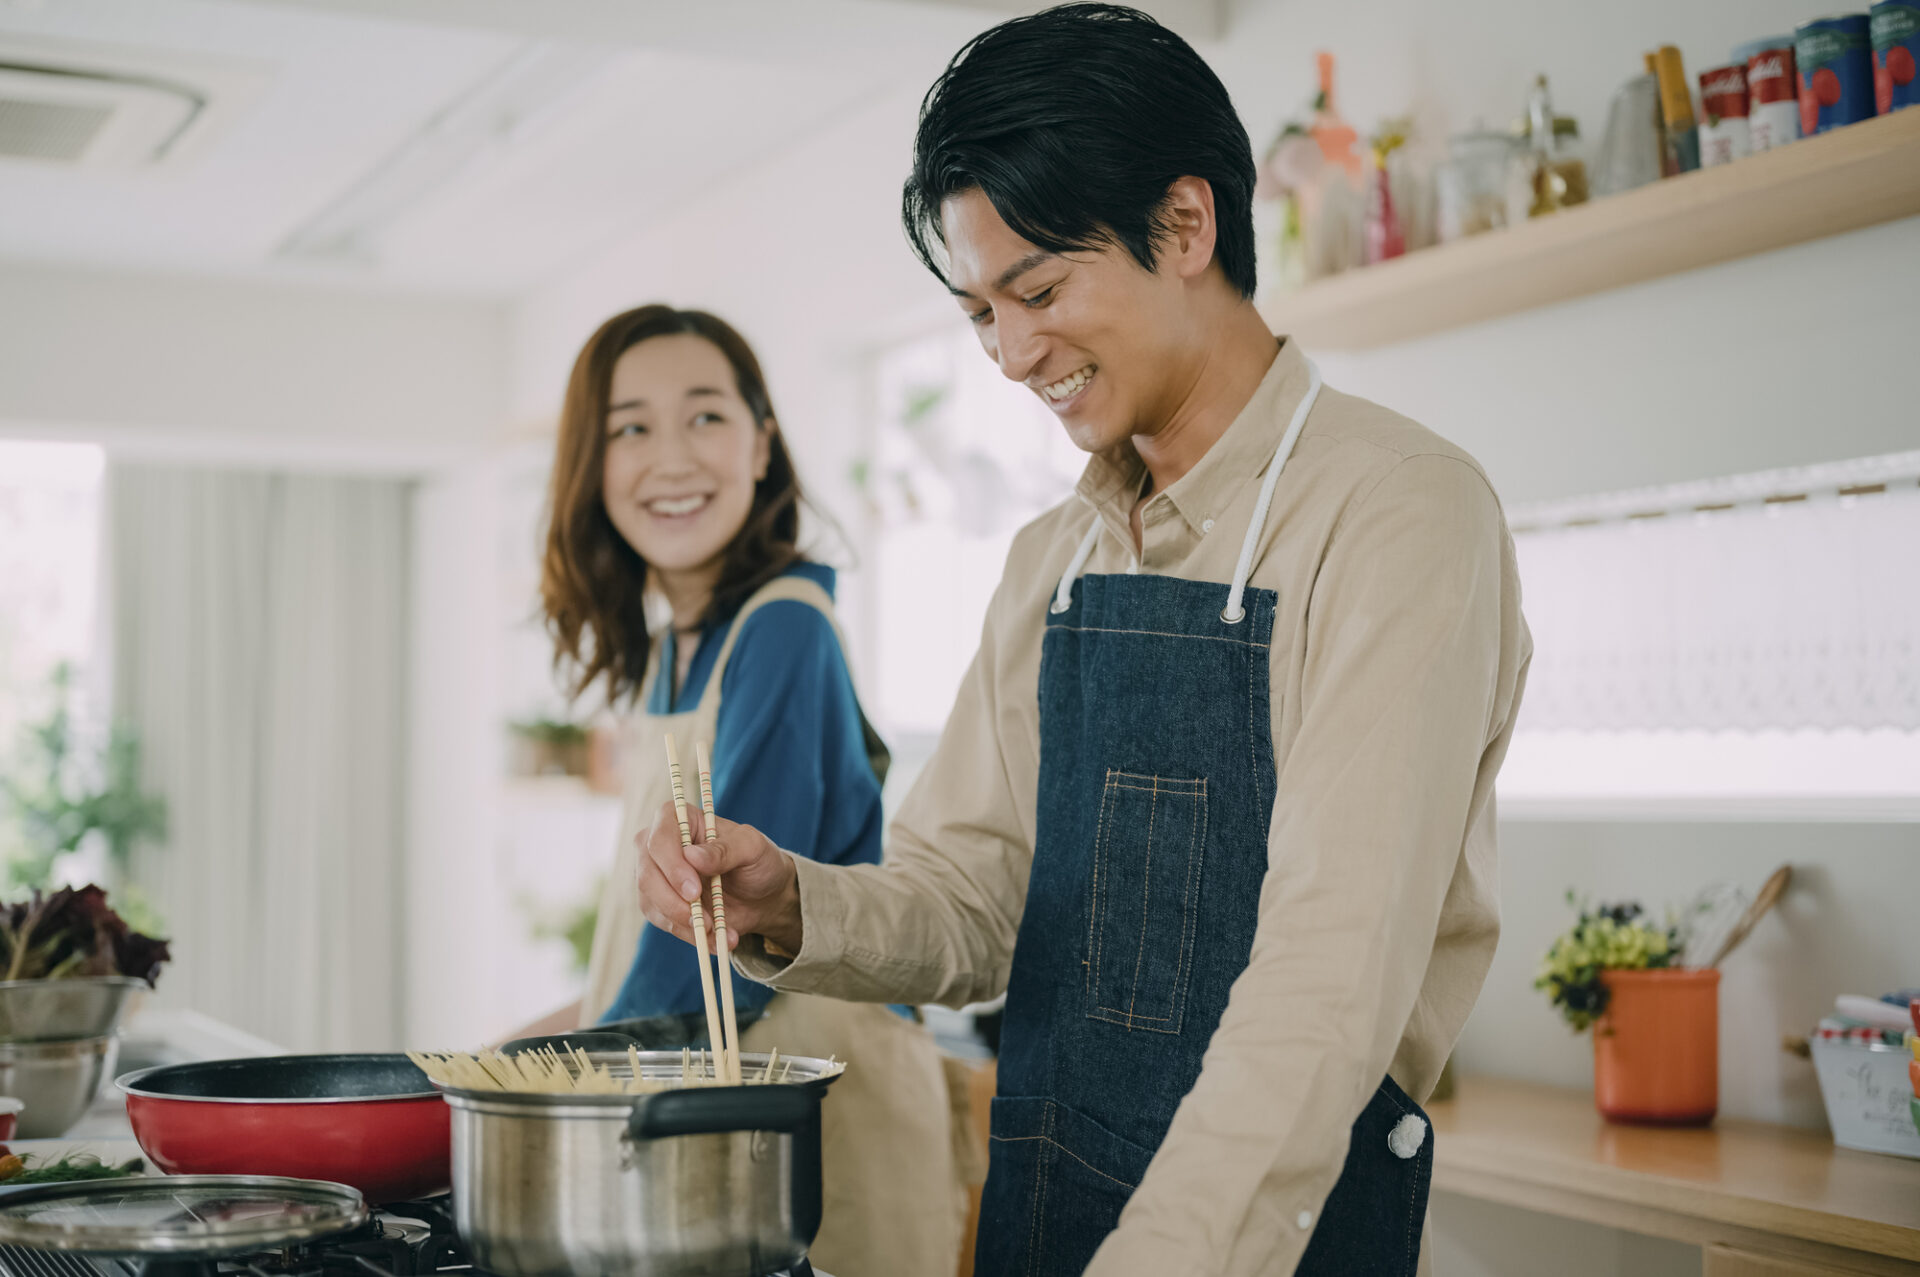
[[1656, 1023], [64, 791], [1603, 938]]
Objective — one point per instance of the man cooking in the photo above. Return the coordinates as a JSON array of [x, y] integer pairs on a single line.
[[1215, 803]]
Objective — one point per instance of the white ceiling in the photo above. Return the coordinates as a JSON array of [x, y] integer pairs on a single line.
[[339, 96], [323, 99]]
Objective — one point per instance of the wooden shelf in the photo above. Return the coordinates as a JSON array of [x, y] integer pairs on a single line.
[[1854, 177], [1782, 1189]]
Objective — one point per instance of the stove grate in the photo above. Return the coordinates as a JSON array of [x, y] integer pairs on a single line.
[[21, 1261]]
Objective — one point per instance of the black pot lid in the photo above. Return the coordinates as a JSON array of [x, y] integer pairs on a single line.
[[178, 1214]]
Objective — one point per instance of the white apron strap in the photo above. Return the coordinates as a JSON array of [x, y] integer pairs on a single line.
[[798, 589], [1063, 597], [1233, 613]]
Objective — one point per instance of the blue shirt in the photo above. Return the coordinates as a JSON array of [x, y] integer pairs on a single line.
[[789, 758]]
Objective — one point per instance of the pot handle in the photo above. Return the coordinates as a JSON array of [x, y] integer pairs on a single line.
[[579, 1039], [719, 1109]]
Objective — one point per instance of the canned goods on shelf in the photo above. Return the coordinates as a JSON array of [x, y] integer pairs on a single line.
[[1894, 28], [1835, 59], [1773, 92], [1723, 115]]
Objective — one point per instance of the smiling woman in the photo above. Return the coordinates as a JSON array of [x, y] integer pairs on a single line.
[[657, 396], [674, 496]]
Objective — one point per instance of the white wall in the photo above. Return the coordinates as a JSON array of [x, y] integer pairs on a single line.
[[248, 373], [1780, 360], [455, 754], [484, 851]]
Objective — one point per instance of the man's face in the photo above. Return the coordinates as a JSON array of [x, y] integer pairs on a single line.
[[1093, 334]]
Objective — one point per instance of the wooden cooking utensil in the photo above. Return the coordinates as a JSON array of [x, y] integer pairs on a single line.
[[1770, 893], [698, 916], [730, 1053]]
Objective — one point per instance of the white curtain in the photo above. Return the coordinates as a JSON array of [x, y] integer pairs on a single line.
[[259, 646], [1802, 613]]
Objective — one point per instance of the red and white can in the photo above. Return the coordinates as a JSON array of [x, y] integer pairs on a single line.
[[1773, 91], [1723, 116]]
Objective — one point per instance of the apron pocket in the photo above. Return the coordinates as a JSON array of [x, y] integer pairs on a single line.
[[1057, 1183], [1145, 897]]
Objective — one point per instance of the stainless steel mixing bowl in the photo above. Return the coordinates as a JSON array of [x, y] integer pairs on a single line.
[[56, 1080], [41, 1010]]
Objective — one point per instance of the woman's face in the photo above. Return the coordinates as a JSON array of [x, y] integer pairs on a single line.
[[683, 453]]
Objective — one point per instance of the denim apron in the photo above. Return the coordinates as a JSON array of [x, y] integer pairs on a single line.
[[1156, 789]]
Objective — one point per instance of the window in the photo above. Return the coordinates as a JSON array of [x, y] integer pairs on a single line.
[[962, 458], [49, 571], [1745, 644], [49, 586]]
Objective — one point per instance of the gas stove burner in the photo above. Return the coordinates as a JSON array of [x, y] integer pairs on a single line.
[[401, 1239]]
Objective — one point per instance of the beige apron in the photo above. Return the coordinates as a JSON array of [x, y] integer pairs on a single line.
[[894, 1199]]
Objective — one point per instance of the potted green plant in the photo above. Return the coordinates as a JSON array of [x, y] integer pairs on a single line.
[[549, 747], [1656, 1023]]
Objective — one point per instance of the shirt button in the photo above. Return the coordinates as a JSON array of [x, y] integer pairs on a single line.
[[1304, 1219], [1206, 525]]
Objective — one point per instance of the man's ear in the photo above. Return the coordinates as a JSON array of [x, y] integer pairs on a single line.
[[1187, 213]]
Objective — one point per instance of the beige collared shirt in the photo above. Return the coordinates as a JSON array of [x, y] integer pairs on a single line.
[[1399, 654]]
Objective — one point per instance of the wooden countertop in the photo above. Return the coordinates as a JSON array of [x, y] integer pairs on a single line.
[[1546, 1148]]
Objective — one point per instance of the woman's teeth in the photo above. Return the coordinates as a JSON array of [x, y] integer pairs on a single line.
[[673, 507], [1069, 386]]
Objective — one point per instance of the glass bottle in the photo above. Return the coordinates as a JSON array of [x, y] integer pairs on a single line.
[[1558, 177]]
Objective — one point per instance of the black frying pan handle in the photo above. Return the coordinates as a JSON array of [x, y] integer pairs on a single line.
[[712, 1110]]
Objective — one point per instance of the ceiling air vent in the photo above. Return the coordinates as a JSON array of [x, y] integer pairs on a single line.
[[91, 119]]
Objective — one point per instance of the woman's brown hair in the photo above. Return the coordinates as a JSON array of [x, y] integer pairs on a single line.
[[592, 583]]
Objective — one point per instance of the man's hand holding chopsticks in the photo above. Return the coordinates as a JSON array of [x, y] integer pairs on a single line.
[[762, 892]]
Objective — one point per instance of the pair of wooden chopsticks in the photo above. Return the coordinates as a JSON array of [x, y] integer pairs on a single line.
[[726, 1047]]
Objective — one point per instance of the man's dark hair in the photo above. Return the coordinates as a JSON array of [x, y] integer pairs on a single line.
[[1074, 122]]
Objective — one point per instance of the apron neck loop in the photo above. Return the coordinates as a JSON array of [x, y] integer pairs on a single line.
[[1234, 613], [1063, 597]]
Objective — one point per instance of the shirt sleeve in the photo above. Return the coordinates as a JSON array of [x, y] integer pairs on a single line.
[[1403, 696], [935, 923]]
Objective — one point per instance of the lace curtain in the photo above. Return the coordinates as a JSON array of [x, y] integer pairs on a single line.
[[1788, 600]]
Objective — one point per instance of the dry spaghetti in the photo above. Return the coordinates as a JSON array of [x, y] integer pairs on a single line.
[[546, 1071]]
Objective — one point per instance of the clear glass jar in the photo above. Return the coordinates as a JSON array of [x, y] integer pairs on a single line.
[[1470, 189]]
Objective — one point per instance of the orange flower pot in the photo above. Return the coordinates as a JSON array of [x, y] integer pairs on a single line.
[[1656, 1050]]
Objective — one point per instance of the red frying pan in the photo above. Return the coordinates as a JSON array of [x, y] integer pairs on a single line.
[[372, 1121]]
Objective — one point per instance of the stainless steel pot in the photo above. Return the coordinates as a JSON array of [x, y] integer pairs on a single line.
[[709, 1180]]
